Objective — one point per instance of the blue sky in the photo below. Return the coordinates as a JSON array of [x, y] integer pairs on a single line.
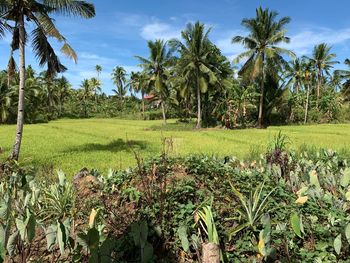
[[121, 28]]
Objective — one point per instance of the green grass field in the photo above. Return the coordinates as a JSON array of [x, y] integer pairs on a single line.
[[102, 143]]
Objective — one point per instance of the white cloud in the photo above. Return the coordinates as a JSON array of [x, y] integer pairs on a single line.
[[159, 30], [303, 42]]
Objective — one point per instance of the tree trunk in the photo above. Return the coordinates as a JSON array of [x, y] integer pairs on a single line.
[[22, 79], [307, 103], [143, 104], [199, 110], [210, 253], [163, 111], [261, 104], [318, 87]]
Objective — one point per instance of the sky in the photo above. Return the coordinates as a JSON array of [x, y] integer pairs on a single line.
[[122, 28]]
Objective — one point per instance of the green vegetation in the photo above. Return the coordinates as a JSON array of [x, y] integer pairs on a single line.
[[284, 207], [102, 143]]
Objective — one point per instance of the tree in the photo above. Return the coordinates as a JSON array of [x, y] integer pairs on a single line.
[[156, 67], [5, 98], [345, 75], [308, 77], [195, 68], [322, 60], [265, 33], [98, 69], [294, 74], [139, 82], [37, 13], [63, 89], [87, 92], [119, 79]]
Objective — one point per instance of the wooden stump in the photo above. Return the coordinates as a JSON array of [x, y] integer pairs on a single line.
[[210, 253]]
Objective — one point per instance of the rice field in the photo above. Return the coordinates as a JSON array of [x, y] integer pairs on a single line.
[[105, 143]]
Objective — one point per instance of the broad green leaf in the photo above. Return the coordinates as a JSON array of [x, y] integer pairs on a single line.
[[3, 230], [11, 244], [337, 244], [347, 233], [61, 178], [31, 224], [345, 179], [314, 179], [4, 209], [147, 253], [82, 240], [94, 238], [51, 233], [296, 224], [20, 224], [61, 236], [182, 232]]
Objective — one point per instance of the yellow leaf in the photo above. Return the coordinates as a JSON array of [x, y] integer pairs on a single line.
[[261, 247], [301, 200], [92, 217], [347, 195]]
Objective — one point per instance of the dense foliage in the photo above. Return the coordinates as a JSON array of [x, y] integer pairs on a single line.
[[285, 206], [190, 78]]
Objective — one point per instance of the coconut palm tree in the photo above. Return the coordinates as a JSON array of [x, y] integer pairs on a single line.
[[322, 60], [6, 94], [87, 92], [63, 90], [139, 82], [307, 78], [119, 79], [37, 16], [156, 67], [345, 75], [265, 33], [294, 74], [196, 70], [98, 69]]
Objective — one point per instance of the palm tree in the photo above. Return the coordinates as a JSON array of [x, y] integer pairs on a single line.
[[294, 74], [345, 75], [98, 69], [265, 33], [156, 67], [87, 92], [139, 82], [119, 79], [37, 13], [194, 64], [5, 99], [323, 61], [63, 89], [307, 77]]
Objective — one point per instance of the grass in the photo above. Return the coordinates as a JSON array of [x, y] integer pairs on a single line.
[[102, 143]]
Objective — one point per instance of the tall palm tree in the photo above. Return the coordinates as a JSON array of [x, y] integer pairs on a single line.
[[63, 89], [307, 78], [119, 79], [5, 98], [345, 75], [294, 74], [156, 67], [37, 14], [87, 92], [139, 82], [322, 60], [265, 33], [98, 69], [195, 68]]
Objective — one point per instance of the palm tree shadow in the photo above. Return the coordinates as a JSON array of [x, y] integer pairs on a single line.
[[113, 146]]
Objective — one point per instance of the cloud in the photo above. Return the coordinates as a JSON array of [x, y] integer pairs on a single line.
[[226, 46], [159, 30], [302, 43]]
